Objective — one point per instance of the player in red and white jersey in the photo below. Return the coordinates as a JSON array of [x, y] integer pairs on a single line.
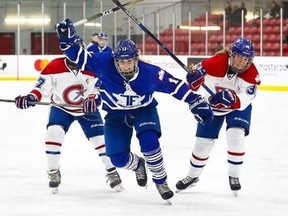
[[233, 79], [77, 92]]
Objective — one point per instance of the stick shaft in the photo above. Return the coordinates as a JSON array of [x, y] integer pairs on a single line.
[[157, 41], [42, 103], [104, 13]]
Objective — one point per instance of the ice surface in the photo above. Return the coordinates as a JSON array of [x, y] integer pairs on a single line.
[[24, 187]]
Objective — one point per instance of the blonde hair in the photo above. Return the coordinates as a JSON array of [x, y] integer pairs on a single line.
[[223, 51]]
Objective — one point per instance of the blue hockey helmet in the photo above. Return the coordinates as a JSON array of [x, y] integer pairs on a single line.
[[102, 39], [102, 35], [242, 49], [126, 51]]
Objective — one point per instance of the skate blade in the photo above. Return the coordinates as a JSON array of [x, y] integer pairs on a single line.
[[235, 193], [54, 190], [119, 188], [169, 201]]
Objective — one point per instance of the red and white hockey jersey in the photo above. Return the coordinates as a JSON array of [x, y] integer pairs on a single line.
[[65, 86], [217, 78]]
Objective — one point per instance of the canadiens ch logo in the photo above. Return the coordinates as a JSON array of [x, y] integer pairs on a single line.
[[74, 94]]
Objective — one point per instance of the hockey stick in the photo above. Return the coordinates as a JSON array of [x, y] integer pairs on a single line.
[[104, 13], [157, 41], [42, 103]]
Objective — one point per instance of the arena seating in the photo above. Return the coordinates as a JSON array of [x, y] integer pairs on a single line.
[[271, 37]]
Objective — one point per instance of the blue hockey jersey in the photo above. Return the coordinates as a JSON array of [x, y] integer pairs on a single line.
[[121, 95]]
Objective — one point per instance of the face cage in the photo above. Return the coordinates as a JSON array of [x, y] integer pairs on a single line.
[[235, 70], [127, 74]]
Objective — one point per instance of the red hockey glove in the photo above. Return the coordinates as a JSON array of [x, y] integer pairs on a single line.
[[91, 103], [224, 99]]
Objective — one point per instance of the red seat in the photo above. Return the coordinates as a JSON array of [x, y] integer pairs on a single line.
[[219, 38], [271, 53], [229, 38], [213, 39], [268, 29], [234, 30], [255, 38], [275, 47], [183, 38], [166, 38], [179, 32], [267, 47], [151, 47], [275, 29], [274, 22], [255, 30], [249, 36], [257, 46]]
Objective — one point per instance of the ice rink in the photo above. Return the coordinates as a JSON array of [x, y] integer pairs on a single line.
[[24, 187]]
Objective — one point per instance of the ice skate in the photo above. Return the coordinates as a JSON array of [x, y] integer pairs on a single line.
[[165, 192], [55, 180], [114, 180], [234, 185], [141, 173], [186, 183]]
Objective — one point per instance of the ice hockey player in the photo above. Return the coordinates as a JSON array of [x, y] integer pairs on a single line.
[[127, 91], [233, 77], [68, 85], [94, 40]]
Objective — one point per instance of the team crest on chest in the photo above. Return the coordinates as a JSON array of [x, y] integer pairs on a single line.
[[129, 98]]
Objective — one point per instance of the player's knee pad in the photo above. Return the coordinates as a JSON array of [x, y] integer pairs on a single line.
[[55, 133], [120, 159], [203, 147], [235, 139], [148, 141]]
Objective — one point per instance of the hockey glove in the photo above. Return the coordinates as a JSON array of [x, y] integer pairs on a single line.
[[91, 103], [225, 99], [201, 110], [67, 33], [195, 79], [24, 102]]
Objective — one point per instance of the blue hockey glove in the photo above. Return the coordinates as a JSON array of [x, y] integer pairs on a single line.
[[201, 110], [67, 33], [24, 102], [196, 78], [91, 103], [224, 99]]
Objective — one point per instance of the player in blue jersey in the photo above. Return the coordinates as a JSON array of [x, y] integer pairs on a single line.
[[127, 91], [102, 45]]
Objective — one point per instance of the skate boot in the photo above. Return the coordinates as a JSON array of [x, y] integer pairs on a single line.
[[186, 183], [141, 173], [234, 185], [165, 192], [55, 180], [114, 180]]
